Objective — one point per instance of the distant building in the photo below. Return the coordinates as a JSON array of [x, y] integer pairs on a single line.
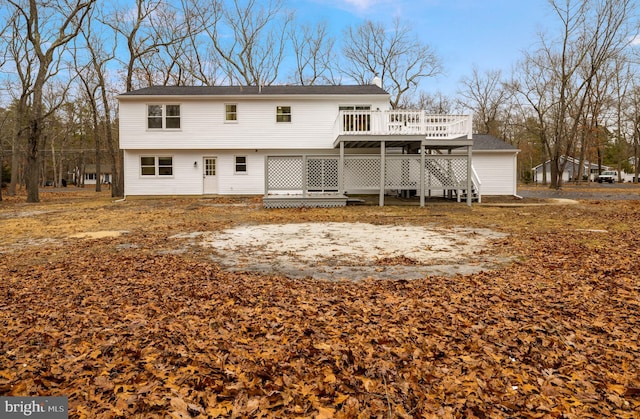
[[90, 176], [589, 170]]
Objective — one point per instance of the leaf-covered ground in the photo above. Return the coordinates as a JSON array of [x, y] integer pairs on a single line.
[[128, 327]]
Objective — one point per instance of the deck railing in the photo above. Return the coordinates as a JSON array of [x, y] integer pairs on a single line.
[[403, 122]]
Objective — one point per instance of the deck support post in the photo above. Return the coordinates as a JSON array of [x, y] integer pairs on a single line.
[[341, 170], [422, 151], [469, 183], [266, 176], [382, 171], [305, 177]]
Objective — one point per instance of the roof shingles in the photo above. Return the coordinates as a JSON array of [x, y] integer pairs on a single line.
[[255, 90]]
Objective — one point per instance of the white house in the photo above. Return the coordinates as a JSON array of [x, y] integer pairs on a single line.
[[299, 145], [90, 175], [589, 170]]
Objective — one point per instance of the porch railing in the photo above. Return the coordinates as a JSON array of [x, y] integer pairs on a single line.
[[403, 122]]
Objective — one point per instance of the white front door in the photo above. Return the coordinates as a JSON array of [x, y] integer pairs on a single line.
[[210, 180]]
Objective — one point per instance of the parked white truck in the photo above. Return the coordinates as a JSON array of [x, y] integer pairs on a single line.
[[609, 176]]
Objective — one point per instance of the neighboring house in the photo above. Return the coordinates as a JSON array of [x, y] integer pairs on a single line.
[[300, 146], [570, 170], [90, 175]]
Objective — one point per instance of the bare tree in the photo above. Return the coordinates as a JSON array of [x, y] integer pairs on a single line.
[[436, 103], [395, 55], [49, 29], [556, 80], [22, 57], [94, 81], [632, 116], [314, 56], [250, 39], [147, 31], [591, 132], [3, 112], [196, 56], [487, 97], [621, 85]]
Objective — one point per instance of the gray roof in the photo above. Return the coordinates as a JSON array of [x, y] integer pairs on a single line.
[[486, 142], [255, 90], [91, 168]]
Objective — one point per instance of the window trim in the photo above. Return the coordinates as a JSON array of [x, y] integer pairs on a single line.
[[359, 107], [227, 113], [281, 116], [156, 166], [245, 164], [164, 117]]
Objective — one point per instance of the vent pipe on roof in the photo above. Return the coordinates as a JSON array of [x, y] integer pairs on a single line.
[[377, 81]]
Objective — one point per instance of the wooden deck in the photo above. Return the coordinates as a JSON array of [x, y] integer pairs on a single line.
[[305, 201]]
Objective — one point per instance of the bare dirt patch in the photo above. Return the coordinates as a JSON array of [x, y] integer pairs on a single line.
[[353, 251], [97, 234]]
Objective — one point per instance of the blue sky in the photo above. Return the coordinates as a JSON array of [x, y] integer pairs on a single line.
[[490, 34]]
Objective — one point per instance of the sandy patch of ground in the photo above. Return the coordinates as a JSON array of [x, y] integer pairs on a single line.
[[23, 214], [97, 234], [350, 250]]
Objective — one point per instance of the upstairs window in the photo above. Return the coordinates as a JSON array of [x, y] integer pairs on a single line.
[[283, 114], [172, 119], [231, 112], [154, 120], [163, 116]]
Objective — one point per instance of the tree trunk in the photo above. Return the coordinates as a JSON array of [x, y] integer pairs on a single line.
[[556, 175], [96, 134], [15, 168], [33, 162]]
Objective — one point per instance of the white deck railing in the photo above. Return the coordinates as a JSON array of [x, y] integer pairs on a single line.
[[404, 122]]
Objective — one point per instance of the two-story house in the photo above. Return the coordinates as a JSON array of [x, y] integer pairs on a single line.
[[296, 145]]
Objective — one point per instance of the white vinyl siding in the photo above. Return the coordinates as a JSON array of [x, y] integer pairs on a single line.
[[187, 178], [497, 172], [314, 125]]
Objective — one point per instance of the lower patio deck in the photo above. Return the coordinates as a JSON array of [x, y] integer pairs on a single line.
[[335, 201], [324, 200]]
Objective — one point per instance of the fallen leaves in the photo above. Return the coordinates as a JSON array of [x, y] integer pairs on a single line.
[[135, 332]]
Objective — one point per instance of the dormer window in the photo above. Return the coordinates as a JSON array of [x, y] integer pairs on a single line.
[[163, 116]]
